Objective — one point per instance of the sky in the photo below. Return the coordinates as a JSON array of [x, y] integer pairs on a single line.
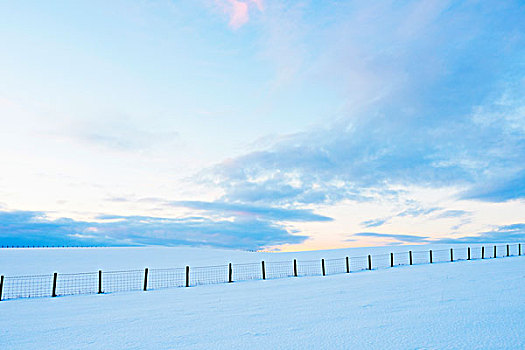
[[262, 124]]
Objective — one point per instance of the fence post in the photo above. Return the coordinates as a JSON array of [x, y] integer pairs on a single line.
[[99, 281], [146, 279], [263, 270], [369, 262], [295, 268], [1, 286], [230, 273], [391, 259], [495, 252], [347, 265], [451, 254], [187, 276], [482, 252], [468, 253], [322, 265], [508, 253], [431, 256], [519, 248], [410, 256], [54, 292]]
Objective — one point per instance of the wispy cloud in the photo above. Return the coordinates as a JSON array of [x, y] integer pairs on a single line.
[[246, 210], [239, 10], [374, 222], [398, 237], [501, 234], [452, 214], [34, 228]]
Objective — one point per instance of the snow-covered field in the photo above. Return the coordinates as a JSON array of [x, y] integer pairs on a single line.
[[467, 304], [33, 261]]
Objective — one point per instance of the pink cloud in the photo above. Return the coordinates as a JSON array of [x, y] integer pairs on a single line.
[[239, 10]]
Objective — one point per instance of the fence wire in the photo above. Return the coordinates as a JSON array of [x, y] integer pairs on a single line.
[[475, 253], [279, 269], [460, 253], [441, 255], [166, 278], [122, 281], [77, 283], [401, 258], [309, 268], [34, 286], [421, 257], [245, 272], [208, 275], [335, 266], [358, 263], [380, 261]]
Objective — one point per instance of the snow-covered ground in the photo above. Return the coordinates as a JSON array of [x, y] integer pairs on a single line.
[[34, 261], [467, 304]]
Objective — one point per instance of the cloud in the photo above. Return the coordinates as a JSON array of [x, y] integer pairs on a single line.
[[259, 212], [34, 228], [399, 237], [122, 136], [374, 222], [501, 234], [501, 188], [239, 10], [429, 102], [452, 214]]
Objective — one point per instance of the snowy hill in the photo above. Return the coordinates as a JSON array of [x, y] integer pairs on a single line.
[[468, 304]]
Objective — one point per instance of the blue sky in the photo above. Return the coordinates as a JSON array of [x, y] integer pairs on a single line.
[[262, 124]]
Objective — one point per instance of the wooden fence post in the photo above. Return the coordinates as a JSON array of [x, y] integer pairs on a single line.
[[1, 286], [99, 281], [508, 252], [295, 268], [146, 279], [391, 259], [495, 252], [187, 276], [322, 265], [468, 253], [431, 256], [263, 270], [230, 273], [347, 265], [482, 252], [54, 292], [369, 262], [410, 256], [519, 248], [451, 254]]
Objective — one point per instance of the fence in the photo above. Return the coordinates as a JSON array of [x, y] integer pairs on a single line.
[[52, 285]]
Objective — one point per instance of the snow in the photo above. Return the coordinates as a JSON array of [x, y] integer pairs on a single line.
[[468, 304], [34, 261]]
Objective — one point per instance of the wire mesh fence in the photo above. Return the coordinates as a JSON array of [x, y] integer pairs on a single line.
[[77, 283], [27, 286], [245, 272], [165, 278], [34, 286], [401, 258], [441, 255], [421, 257], [476, 253], [122, 281], [335, 266], [358, 263], [380, 261], [460, 254], [309, 268]]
